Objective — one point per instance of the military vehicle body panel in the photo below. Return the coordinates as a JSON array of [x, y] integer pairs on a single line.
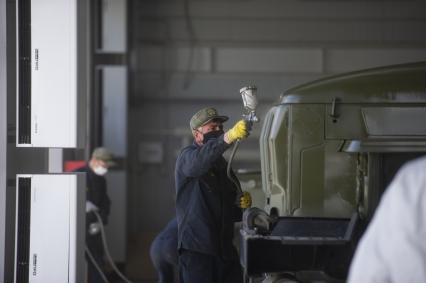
[[317, 143], [392, 84], [328, 151]]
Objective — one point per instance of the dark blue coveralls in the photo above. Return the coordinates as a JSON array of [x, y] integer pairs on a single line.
[[164, 254], [206, 211], [96, 192]]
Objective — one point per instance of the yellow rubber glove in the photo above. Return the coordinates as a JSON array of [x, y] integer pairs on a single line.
[[245, 200], [239, 131]]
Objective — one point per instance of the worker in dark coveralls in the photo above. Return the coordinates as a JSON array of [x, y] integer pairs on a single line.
[[164, 254], [96, 200], [207, 204]]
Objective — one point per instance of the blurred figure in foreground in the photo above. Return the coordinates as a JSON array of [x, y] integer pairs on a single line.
[[393, 249]]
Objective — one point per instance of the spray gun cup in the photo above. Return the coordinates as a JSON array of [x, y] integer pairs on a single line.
[[248, 95]]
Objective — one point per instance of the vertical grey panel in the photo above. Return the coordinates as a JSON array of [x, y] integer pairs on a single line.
[[114, 99], [56, 160], [116, 228], [81, 228], [84, 64], [114, 130], [3, 135], [114, 26]]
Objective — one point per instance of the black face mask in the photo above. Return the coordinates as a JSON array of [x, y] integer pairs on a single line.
[[211, 135]]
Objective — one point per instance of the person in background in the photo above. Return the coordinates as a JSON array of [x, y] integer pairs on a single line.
[[393, 249], [96, 200], [207, 202], [164, 254]]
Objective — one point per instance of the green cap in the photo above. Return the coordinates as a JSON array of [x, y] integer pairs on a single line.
[[103, 154], [204, 116]]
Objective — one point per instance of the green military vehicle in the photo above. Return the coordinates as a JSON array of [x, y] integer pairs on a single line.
[[328, 151]]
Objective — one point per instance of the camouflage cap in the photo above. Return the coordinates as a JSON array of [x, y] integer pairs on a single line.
[[204, 116], [103, 154]]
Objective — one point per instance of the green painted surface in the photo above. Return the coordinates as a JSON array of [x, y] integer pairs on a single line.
[[325, 148], [394, 84]]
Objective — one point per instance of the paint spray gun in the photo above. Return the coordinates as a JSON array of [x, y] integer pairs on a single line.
[[248, 95]]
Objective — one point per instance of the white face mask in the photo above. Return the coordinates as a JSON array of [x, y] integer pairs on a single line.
[[100, 170]]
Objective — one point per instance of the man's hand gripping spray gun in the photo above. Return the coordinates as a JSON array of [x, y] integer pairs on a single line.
[[248, 95]]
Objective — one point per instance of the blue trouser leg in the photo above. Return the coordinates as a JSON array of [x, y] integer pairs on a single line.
[[164, 268], [164, 252], [196, 267]]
